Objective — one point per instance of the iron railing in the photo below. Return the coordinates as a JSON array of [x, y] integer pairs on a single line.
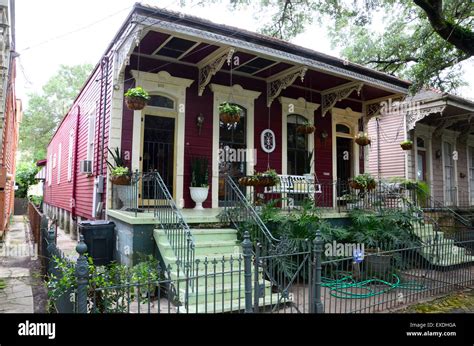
[[242, 214], [149, 197]]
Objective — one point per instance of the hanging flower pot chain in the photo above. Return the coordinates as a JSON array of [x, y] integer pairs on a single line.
[[229, 113], [136, 98]]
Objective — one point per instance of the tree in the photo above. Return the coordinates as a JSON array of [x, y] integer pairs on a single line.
[[46, 109], [25, 177], [423, 40]]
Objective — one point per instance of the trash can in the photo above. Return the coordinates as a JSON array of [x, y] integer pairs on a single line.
[[99, 237]]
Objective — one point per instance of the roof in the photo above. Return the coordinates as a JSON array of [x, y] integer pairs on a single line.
[[263, 40]]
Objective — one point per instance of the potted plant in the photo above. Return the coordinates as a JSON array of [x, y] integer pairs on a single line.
[[362, 139], [199, 188], [229, 113], [136, 98], [363, 182], [407, 144], [306, 128], [120, 174], [261, 179]]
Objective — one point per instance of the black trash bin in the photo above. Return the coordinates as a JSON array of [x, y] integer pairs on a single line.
[[99, 237]]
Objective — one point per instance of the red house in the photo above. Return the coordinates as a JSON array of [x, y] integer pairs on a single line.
[[190, 66]]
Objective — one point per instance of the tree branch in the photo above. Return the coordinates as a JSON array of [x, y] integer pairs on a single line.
[[460, 37]]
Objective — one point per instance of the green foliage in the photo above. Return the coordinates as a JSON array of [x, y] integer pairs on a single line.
[[24, 178], [46, 109], [119, 171], [391, 229], [137, 92], [364, 180], [123, 282], [2, 284], [229, 108], [407, 141], [199, 172], [36, 200]]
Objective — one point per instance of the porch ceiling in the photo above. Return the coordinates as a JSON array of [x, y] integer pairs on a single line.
[[179, 48]]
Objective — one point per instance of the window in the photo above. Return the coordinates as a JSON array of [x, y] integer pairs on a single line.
[[91, 137], [420, 142], [343, 129], [297, 150], [69, 155], [160, 101], [60, 149]]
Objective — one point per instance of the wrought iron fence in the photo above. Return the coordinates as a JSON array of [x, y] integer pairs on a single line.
[[287, 278]]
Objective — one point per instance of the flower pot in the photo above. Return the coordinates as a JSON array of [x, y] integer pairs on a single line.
[[199, 195], [120, 180], [355, 185], [377, 264], [406, 146], [135, 103], [305, 129], [362, 141], [227, 118], [124, 194]]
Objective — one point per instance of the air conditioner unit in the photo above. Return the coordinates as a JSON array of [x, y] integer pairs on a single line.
[[85, 166]]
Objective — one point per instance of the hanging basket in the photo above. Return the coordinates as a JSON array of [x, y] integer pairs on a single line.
[[355, 185], [228, 118], [305, 129], [120, 180], [135, 103], [406, 146], [362, 141], [247, 181]]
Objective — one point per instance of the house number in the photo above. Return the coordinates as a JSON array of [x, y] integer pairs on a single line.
[[267, 141]]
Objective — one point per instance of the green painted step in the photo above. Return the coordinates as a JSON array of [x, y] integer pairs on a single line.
[[233, 305], [214, 246]]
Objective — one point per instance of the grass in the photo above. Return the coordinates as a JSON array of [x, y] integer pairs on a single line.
[[456, 302]]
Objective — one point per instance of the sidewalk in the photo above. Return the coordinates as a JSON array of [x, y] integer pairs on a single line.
[[23, 290]]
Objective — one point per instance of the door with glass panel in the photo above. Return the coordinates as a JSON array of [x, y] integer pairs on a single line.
[[449, 178]]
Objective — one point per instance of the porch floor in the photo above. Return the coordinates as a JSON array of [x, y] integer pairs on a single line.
[[192, 216]]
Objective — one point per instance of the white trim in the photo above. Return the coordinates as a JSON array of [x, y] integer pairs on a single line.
[[70, 155], [245, 98], [451, 139], [300, 107], [60, 149], [162, 83]]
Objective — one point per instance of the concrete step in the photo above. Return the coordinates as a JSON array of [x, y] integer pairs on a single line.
[[211, 234], [204, 248], [232, 305]]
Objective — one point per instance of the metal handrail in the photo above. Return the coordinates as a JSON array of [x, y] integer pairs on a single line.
[[240, 201], [171, 220]]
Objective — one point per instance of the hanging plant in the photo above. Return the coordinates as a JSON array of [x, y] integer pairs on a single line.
[[229, 113], [136, 98], [306, 128], [362, 139], [407, 144], [363, 182], [263, 179]]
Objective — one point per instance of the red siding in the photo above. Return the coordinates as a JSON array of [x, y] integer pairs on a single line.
[[61, 195]]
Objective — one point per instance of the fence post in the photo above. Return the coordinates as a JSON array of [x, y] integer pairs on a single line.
[[42, 231], [82, 276], [50, 249], [247, 253], [318, 306]]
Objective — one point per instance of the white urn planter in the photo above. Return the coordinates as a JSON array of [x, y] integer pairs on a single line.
[[199, 195]]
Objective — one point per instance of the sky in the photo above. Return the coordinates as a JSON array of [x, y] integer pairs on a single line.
[[54, 32]]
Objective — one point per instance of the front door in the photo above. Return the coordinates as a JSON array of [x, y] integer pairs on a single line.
[[158, 153], [344, 163]]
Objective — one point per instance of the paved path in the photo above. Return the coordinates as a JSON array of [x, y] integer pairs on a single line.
[[19, 272]]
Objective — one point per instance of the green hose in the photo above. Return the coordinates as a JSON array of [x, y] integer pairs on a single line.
[[341, 288]]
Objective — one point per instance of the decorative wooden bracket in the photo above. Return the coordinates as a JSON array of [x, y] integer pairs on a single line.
[[283, 80], [330, 96], [447, 122], [374, 107], [463, 136], [212, 64], [124, 48], [414, 116]]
